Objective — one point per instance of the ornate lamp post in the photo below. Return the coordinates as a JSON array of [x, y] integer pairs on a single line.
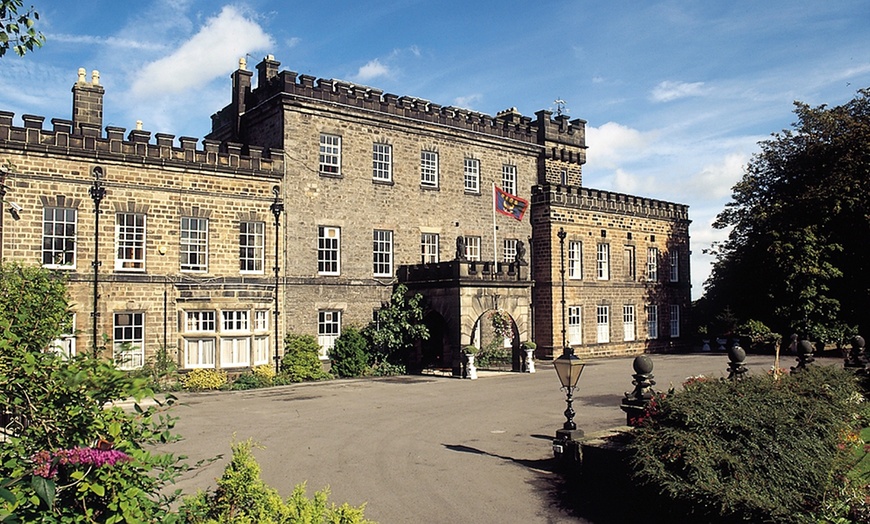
[[568, 368], [277, 208], [97, 193]]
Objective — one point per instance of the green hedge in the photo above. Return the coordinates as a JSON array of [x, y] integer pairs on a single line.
[[757, 450]]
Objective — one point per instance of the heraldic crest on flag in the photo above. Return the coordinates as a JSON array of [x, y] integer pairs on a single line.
[[510, 205]]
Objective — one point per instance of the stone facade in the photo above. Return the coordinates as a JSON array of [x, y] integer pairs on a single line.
[[145, 298], [627, 278], [376, 188]]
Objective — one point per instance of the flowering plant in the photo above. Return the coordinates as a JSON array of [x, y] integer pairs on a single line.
[[501, 324], [46, 463]]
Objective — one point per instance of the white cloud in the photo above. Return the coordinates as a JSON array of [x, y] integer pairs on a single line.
[[468, 101], [612, 144], [667, 91], [111, 41], [372, 70], [210, 53], [715, 180]]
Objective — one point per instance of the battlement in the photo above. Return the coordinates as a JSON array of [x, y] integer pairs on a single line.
[[89, 141], [508, 124], [608, 201]]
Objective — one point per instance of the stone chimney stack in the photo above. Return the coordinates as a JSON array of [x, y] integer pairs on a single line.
[[241, 92], [87, 110], [267, 70]]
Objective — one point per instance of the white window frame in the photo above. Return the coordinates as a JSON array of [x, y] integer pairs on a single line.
[[261, 319], [65, 343], [59, 231], [382, 162], [429, 247], [674, 259], [199, 352], [328, 250], [472, 175], [382, 253], [194, 245], [652, 264], [629, 322], [261, 350], [330, 155], [252, 247], [675, 321], [235, 321], [472, 249], [130, 237], [328, 329], [652, 321], [575, 260], [563, 177], [509, 250], [200, 321], [602, 323], [428, 168], [132, 332], [575, 325], [509, 178], [603, 261], [235, 352]]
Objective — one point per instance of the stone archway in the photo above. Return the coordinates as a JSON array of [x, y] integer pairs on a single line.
[[462, 291], [488, 336]]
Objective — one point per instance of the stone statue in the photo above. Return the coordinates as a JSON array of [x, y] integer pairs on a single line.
[[460, 248], [520, 259]]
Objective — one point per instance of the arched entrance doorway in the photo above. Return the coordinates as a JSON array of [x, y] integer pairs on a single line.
[[497, 338], [434, 353]]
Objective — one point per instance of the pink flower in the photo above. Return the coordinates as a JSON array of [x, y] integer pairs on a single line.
[[45, 463]]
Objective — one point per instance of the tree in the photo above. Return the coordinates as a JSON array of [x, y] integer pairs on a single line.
[[398, 326], [34, 305], [17, 28], [795, 257], [68, 454]]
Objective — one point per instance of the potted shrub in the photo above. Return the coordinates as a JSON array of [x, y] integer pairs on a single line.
[[470, 370], [529, 347]]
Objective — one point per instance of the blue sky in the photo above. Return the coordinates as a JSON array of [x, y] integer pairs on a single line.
[[676, 93]]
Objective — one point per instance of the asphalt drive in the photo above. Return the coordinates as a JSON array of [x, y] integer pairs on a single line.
[[427, 449]]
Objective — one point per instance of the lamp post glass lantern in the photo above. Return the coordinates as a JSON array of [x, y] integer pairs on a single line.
[[569, 368], [276, 208]]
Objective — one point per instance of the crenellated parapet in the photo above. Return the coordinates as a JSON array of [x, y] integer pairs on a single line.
[[587, 199], [136, 147], [507, 124]]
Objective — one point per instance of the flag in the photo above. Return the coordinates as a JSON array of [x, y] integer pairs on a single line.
[[508, 204]]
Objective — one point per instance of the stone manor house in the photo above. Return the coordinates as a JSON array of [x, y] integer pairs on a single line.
[[376, 189]]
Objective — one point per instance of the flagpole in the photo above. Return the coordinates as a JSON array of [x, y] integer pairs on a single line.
[[494, 240]]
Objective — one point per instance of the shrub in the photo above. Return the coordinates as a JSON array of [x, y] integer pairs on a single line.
[[265, 373], [753, 450], [242, 497], [493, 356], [349, 357], [246, 381], [204, 379], [386, 369], [301, 359], [760, 336]]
